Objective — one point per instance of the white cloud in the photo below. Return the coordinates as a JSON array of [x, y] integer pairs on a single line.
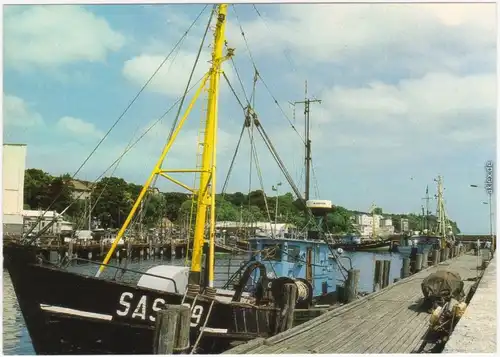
[[16, 112], [439, 106], [171, 79], [79, 127], [423, 36], [431, 98], [50, 36]]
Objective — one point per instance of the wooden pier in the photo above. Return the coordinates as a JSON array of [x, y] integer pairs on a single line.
[[391, 320]]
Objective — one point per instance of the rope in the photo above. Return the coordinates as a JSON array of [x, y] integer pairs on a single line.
[[259, 174], [120, 117], [186, 90], [198, 339]]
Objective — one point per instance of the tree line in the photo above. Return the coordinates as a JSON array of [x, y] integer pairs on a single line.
[[112, 199]]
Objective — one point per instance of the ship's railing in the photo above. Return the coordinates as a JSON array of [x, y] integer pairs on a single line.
[[124, 270]]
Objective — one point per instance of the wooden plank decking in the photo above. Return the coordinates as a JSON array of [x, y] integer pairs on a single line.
[[389, 321]]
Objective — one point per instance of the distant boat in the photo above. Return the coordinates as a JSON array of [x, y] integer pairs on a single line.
[[418, 244], [355, 244]]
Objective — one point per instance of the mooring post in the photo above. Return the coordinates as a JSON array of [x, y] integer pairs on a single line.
[[129, 251], [425, 259], [447, 253], [378, 276], [351, 289], [418, 262], [70, 249], [340, 290], [290, 298], [442, 255], [172, 330], [405, 269], [387, 269], [436, 256]]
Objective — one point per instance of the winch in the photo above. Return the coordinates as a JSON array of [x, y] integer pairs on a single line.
[[271, 290]]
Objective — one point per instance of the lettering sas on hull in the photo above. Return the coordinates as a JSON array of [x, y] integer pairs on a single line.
[[145, 309]]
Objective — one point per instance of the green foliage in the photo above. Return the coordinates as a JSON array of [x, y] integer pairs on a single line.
[[41, 190], [116, 198]]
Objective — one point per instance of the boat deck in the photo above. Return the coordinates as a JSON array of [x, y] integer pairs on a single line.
[[388, 321]]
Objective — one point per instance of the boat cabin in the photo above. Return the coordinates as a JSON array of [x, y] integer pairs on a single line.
[[296, 258]]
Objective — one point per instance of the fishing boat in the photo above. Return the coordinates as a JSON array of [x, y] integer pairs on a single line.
[[420, 243], [374, 243], [357, 245], [70, 313], [290, 255]]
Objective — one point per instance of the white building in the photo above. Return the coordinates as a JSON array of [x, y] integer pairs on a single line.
[[265, 227], [366, 223], [81, 190], [14, 165], [31, 218], [405, 225]]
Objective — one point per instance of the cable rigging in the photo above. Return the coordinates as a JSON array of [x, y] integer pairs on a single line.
[[120, 117]]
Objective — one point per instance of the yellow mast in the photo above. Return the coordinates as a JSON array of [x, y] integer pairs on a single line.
[[206, 197]]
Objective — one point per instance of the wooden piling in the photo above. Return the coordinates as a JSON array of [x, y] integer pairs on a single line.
[[386, 273], [290, 301], [70, 249], [405, 269], [340, 290], [425, 259], [172, 330], [418, 262], [442, 255], [378, 276], [351, 289], [435, 257], [447, 253]]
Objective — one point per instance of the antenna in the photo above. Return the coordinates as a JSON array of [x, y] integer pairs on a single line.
[[307, 102]]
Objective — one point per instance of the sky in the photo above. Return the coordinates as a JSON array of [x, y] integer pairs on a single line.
[[408, 92]]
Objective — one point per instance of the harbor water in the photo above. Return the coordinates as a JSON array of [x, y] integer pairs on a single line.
[[16, 340]]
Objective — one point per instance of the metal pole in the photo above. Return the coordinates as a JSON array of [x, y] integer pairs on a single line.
[[276, 213]]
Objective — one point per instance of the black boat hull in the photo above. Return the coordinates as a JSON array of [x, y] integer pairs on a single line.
[[370, 246], [68, 313]]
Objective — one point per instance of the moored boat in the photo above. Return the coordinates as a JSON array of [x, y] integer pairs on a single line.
[[114, 310]]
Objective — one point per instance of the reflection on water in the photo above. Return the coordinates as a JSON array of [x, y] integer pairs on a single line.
[[16, 340]]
